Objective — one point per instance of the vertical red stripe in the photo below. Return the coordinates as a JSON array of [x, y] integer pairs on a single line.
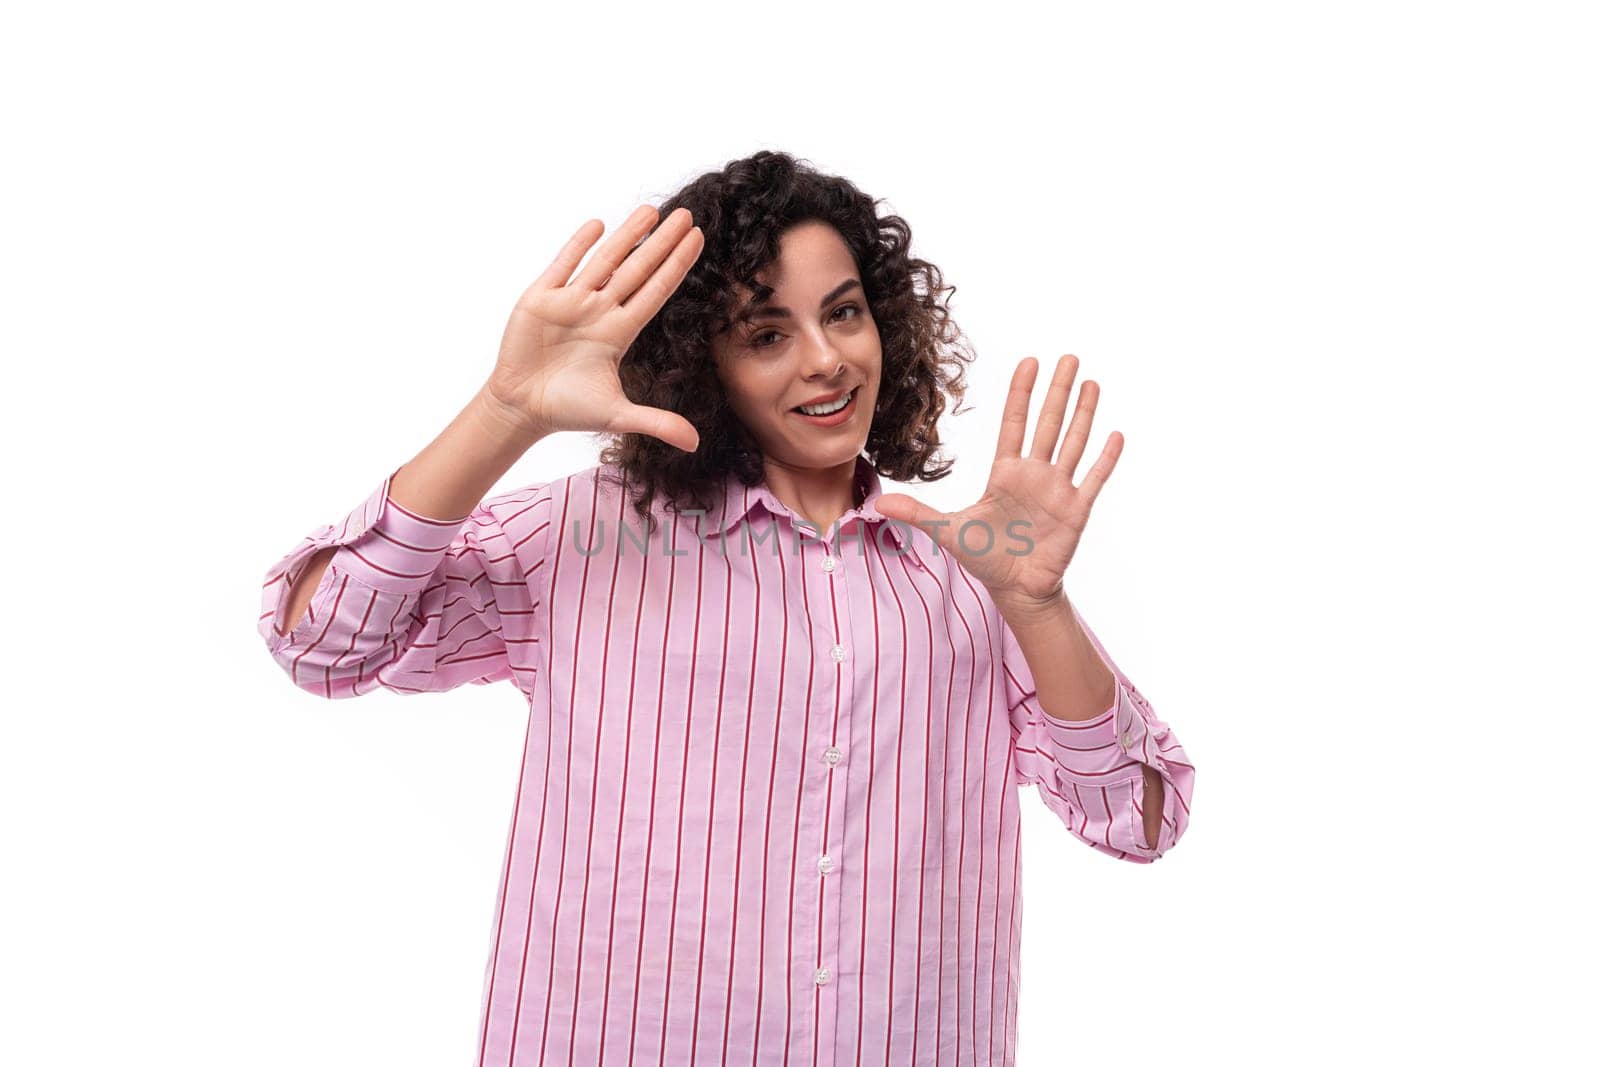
[[402, 609]]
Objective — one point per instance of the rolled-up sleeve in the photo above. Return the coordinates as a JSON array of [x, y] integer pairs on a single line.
[[1091, 773], [409, 603]]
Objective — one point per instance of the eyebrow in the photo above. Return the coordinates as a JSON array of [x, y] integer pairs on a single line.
[[758, 311]]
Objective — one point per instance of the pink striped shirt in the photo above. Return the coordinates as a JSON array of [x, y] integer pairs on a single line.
[[767, 811]]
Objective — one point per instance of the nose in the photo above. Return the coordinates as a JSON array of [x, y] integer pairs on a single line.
[[821, 358]]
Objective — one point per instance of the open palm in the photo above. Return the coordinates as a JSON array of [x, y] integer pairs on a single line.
[[1028, 498], [559, 357]]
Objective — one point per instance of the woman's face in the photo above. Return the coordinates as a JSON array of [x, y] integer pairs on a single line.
[[813, 338]]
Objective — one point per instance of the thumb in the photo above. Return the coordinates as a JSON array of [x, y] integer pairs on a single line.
[[668, 426], [909, 509]]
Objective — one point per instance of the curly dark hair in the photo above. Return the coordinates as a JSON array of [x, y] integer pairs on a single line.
[[743, 210]]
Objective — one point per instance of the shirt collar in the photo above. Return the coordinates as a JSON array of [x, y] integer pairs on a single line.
[[737, 500]]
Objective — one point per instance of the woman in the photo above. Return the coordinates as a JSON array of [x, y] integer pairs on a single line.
[[778, 719]]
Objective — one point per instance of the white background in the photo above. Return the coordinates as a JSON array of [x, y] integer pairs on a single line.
[[1335, 269]]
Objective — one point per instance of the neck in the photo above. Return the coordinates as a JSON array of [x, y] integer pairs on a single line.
[[817, 494]]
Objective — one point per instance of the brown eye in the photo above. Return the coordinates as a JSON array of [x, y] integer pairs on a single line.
[[756, 342]]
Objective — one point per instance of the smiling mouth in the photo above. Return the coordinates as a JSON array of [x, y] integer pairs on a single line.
[[848, 399]]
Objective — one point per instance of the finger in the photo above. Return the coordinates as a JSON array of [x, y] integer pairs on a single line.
[[644, 303], [1048, 429], [902, 507], [1096, 478], [1078, 433], [571, 254], [1014, 420], [647, 256], [609, 254], [667, 426]]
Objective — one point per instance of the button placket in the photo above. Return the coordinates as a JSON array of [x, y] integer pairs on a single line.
[[835, 710]]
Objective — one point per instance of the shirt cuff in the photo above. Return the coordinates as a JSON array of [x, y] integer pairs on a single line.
[[397, 551], [1097, 751]]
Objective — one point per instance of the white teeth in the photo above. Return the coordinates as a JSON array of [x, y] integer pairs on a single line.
[[829, 409]]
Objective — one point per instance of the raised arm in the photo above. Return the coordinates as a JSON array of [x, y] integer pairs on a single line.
[[445, 481], [557, 369]]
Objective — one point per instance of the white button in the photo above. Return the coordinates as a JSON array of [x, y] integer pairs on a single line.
[[831, 756], [825, 864], [828, 563], [1127, 739], [822, 976], [837, 652]]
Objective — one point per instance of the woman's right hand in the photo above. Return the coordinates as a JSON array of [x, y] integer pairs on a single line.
[[558, 361]]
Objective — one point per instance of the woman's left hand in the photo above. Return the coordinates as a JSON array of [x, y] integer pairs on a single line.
[[1028, 497]]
